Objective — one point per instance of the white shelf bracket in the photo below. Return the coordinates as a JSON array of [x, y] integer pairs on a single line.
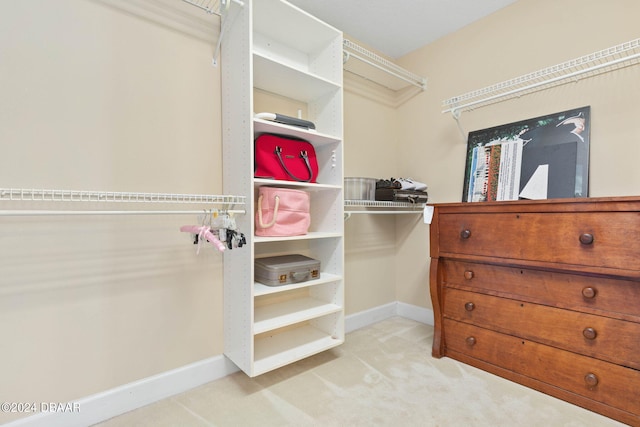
[[456, 114]]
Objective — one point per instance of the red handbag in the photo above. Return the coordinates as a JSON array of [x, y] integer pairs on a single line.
[[284, 158]]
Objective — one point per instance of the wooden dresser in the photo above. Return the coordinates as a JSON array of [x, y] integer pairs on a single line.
[[544, 293]]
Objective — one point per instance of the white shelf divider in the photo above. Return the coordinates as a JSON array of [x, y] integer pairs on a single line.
[[274, 351], [274, 316], [262, 289]]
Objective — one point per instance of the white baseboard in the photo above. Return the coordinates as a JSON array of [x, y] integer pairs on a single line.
[[376, 314], [102, 406], [413, 312], [369, 317], [108, 404]]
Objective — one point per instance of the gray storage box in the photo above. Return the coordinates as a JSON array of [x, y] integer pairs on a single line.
[[286, 269]]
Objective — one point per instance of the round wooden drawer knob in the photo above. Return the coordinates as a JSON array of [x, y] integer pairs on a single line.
[[589, 292], [469, 306], [589, 333], [468, 274], [471, 341], [586, 239], [465, 234], [591, 380]]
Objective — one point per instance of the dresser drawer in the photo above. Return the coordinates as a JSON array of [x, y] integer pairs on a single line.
[[598, 239], [594, 379], [616, 341], [600, 295]]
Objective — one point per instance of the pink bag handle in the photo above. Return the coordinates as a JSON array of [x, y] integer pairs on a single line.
[[275, 213]]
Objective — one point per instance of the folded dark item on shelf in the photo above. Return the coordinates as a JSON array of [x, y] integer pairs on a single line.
[[401, 184], [286, 269], [396, 195], [287, 120]]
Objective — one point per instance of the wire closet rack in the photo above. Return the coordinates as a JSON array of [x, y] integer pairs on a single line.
[[209, 6], [227, 203], [380, 207], [611, 59], [353, 50]]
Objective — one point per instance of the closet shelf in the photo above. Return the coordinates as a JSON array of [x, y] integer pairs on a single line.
[[209, 6], [381, 207], [611, 59], [401, 77], [229, 203]]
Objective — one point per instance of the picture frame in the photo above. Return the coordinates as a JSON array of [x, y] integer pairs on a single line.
[[540, 158]]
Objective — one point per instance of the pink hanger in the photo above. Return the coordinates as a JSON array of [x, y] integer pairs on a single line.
[[204, 233]]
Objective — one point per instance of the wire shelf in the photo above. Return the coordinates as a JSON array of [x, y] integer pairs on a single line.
[[22, 194], [356, 51], [381, 207], [227, 202], [613, 58], [209, 6], [382, 204]]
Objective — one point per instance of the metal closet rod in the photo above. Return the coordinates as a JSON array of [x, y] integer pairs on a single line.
[[227, 203], [613, 56]]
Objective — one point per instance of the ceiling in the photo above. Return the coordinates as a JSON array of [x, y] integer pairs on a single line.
[[397, 27]]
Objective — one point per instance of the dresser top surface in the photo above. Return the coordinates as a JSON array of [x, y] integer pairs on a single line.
[[621, 203]]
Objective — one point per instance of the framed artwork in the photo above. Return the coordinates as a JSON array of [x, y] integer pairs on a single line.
[[541, 158]]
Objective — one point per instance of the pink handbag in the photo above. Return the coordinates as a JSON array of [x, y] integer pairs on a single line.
[[282, 212]]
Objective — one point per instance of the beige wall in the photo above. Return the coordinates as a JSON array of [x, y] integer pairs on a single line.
[[527, 36], [370, 151], [100, 99], [96, 98]]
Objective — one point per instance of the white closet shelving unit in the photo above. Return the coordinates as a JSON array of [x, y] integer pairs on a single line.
[[273, 46], [613, 58]]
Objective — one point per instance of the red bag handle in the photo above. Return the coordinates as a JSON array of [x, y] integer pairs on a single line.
[[304, 156]]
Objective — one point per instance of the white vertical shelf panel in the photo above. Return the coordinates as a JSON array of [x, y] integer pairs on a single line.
[[237, 134]]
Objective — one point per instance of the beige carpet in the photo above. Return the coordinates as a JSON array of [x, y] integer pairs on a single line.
[[383, 375]]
